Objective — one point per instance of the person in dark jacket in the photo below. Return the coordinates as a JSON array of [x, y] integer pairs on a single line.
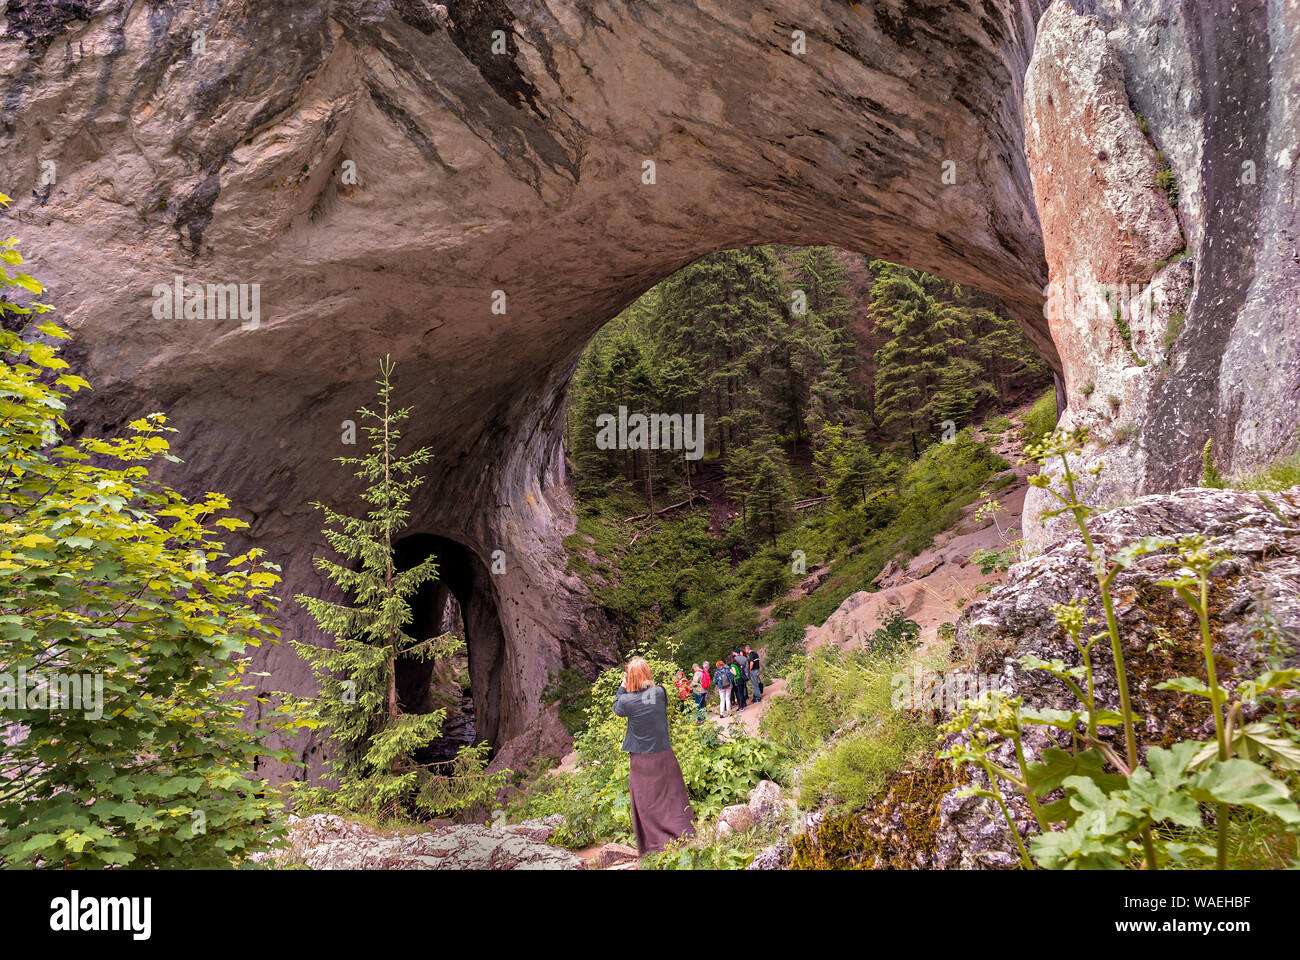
[[741, 689], [661, 810], [755, 682]]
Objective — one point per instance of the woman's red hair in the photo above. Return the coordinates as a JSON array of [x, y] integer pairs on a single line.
[[637, 677]]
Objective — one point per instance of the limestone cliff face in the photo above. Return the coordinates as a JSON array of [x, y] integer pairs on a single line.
[[1162, 140], [382, 169]]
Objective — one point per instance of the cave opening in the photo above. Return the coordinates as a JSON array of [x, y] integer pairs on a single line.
[[461, 601]]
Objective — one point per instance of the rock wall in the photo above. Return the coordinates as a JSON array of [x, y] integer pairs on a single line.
[[387, 172], [1162, 140]]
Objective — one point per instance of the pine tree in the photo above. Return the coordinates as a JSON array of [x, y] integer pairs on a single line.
[[722, 311], [373, 740], [812, 346], [771, 499], [858, 472], [955, 398], [925, 330]]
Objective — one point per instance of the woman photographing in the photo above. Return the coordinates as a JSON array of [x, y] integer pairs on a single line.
[[661, 811]]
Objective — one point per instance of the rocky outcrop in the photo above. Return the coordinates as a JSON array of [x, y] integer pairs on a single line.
[[328, 842], [1162, 139], [921, 820], [545, 737], [464, 192], [1259, 533]]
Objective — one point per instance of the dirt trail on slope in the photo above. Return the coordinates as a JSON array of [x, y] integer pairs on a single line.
[[931, 589]]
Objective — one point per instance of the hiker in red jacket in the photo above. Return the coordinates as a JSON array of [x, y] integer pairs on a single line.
[[683, 688]]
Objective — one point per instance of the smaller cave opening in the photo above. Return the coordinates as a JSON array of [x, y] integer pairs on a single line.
[[454, 602]]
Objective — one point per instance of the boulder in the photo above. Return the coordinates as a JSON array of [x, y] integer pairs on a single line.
[[544, 737], [734, 819], [766, 805], [1160, 634], [613, 854], [540, 829]]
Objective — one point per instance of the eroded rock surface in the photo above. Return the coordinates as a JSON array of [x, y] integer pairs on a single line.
[[329, 842], [1260, 533], [1162, 139], [920, 820], [519, 171]]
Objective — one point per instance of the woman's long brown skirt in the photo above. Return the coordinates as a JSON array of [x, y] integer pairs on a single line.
[[661, 811]]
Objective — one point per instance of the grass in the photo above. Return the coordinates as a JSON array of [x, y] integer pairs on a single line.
[[1041, 418], [1280, 475], [850, 694], [997, 425], [1174, 327]]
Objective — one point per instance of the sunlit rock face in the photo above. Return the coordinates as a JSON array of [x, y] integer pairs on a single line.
[[380, 170]]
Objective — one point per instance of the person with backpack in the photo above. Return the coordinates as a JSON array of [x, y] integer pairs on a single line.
[[698, 677], [740, 689], [754, 680], [722, 679]]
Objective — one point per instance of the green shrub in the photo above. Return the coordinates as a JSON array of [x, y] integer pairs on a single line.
[[997, 425], [1280, 475], [895, 634], [849, 693], [784, 642], [109, 575], [1040, 421]]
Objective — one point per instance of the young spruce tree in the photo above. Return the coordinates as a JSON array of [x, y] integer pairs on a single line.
[[373, 741]]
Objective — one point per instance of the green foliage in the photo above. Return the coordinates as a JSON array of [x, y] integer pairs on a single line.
[[373, 740], [896, 633], [1166, 181], [1120, 807], [770, 502], [1173, 328], [784, 644], [838, 721], [760, 341], [594, 798], [999, 425], [1040, 421], [734, 852], [943, 355], [993, 561], [1210, 476], [1282, 474], [108, 575]]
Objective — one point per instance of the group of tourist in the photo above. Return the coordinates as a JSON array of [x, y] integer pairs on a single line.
[[735, 678]]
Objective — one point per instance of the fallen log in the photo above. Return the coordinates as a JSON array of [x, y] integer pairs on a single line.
[[672, 506]]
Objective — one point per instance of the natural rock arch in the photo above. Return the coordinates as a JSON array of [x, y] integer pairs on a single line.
[[465, 578], [522, 172]]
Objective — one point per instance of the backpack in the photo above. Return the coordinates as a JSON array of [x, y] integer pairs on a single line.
[[722, 678]]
